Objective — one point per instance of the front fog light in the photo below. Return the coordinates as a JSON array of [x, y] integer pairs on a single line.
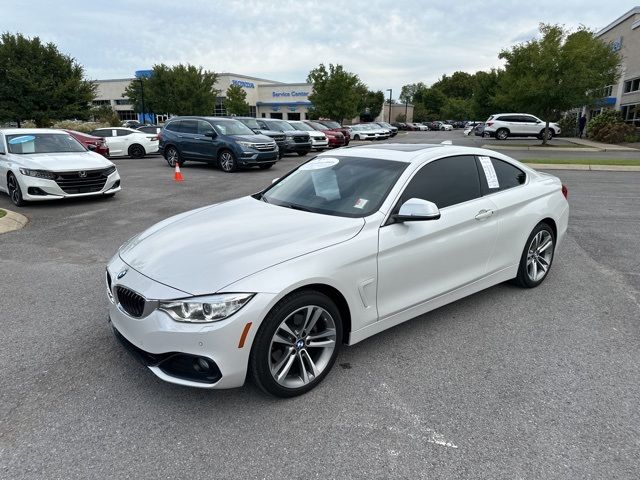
[[205, 309]]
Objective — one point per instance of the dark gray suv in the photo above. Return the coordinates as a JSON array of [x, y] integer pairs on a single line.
[[296, 141], [225, 142]]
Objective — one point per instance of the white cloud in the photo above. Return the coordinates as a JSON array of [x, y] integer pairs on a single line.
[[387, 43]]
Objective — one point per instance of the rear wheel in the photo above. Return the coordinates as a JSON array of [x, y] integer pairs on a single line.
[[172, 156], [537, 257], [502, 134], [297, 344], [227, 161], [265, 166], [15, 193], [136, 151], [549, 134]]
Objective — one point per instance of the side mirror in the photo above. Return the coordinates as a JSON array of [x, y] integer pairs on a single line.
[[211, 134], [416, 209], [538, 121], [91, 147], [275, 180]]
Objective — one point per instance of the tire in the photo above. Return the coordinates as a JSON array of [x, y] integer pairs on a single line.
[[227, 161], [172, 155], [357, 138], [502, 134], [136, 151], [549, 135], [14, 190], [293, 350], [265, 166], [537, 257]]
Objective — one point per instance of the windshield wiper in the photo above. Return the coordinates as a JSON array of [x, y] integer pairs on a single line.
[[293, 206]]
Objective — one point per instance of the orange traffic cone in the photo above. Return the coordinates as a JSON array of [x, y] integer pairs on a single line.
[[177, 176]]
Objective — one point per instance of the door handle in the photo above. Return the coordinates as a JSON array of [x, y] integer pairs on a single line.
[[482, 214]]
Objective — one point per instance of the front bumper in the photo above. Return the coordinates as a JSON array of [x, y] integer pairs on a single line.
[[169, 348], [39, 189], [319, 143], [295, 147], [252, 157]]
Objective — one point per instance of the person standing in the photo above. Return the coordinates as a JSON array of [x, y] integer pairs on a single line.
[[582, 122]]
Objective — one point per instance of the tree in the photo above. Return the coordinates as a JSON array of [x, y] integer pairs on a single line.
[[370, 105], [39, 83], [236, 101], [456, 109], [483, 102], [408, 91], [105, 114], [178, 90], [560, 71], [458, 85], [432, 100], [336, 92], [401, 117]]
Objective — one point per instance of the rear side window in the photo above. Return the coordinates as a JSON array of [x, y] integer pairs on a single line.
[[122, 132], [173, 126], [445, 182], [503, 176], [101, 133], [189, 126]]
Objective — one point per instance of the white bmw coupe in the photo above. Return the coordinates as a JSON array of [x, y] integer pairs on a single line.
[[38, 164], [345, 246]]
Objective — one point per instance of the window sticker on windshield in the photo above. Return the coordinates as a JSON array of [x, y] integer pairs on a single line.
[[361, 203], [489, 172], [319, 163], [21, 139], [325, 184]]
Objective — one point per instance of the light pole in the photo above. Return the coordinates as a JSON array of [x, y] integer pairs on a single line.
[[390, 94], [142, 97]]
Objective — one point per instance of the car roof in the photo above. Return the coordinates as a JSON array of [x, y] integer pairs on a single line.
[[26, 131], [416, 152]]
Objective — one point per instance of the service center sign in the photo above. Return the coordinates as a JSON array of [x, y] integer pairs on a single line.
[[292, 93]]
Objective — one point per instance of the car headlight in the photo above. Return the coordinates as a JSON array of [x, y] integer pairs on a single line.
[[38, 173], [245, 144], [207, 309]]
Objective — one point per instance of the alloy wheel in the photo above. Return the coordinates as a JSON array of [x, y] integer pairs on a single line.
[[172, 157], [14, 190], [539, 255], [226, 161], [302, 346]]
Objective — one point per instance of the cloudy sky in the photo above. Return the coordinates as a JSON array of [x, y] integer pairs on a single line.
[[387, 43]]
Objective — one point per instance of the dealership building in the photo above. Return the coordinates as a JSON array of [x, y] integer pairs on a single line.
[[624, 36], [266, 98]]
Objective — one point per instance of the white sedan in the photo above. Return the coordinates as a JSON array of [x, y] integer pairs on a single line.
[[39, 164], [347, 245], [319, 140], [127, 141]]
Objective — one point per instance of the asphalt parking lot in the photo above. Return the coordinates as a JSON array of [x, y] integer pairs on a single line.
[[506, 383]]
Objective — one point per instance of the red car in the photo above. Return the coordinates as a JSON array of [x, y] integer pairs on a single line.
[[97, 144], [336, 139], [335, 126]]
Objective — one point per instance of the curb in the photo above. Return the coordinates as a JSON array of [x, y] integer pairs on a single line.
[[592, 168], [12, 221], [544, 149]]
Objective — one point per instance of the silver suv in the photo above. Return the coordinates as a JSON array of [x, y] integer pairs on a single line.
[[505, 125]]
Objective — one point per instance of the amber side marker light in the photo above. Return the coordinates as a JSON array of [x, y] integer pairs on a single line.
[[245, 332]]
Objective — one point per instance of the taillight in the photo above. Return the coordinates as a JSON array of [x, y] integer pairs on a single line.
[[154, 139], [565, 191], [489, 124]]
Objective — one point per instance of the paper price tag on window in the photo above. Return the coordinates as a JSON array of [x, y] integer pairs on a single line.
[[489, 172]]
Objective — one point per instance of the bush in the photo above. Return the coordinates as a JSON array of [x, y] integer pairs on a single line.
[[608, 127], [80, 126], [568, 125]]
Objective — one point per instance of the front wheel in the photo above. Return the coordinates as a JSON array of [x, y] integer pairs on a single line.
[[297, 344], [15, 193], [537, 257], [227, 161], [549, 134]]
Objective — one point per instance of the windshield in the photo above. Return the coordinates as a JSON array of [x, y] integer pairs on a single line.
[[43, 143], [342, 186], [302, 126], [318, 126], [231, 127], [279, 125], [332, 124], [251, 123]]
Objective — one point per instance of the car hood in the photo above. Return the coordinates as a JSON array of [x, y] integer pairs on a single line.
[[253, 138], [202, 251], [317, 134], [297, 133], [62, 162], [271, 133]]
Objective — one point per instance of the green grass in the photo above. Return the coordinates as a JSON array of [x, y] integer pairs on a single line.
[[585, 161], [2, 213]]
